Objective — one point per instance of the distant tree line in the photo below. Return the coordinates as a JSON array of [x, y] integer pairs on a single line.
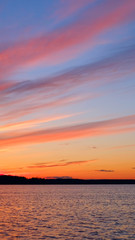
[[7, 179]]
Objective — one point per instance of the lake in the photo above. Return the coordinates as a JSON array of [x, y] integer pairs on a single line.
[[67, 212]]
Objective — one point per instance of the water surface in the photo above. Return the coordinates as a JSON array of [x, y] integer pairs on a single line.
[[67, 212]]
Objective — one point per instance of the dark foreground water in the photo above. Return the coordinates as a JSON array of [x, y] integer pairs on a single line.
[[67, 212]]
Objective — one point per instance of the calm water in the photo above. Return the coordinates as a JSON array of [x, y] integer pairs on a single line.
[[67, 212]]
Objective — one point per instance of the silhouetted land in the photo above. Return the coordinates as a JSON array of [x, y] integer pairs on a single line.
[[6, 179]]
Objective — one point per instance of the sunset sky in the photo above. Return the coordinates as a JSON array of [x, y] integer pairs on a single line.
[[67, 88]]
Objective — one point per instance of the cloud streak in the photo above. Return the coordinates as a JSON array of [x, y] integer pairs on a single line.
[[32, 123], [104, 170], [53, 89], [100, 128], [124, 146], [45, 165], [35, 106], [39, 48], [122, 60]]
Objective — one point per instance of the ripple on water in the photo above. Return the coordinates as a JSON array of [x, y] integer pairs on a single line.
[[67, 212]]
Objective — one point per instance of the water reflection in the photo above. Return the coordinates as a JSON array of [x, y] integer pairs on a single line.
[[67, 212]]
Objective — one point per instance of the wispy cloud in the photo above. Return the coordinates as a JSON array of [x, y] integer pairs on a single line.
[[20, 110], [56, 90], [122, 60], [38, 48], [69, 8], [64, 164], [104, 170], [116, 65], [32, 123], [89, 129], [59, 58], [123, 146], [92, 147]]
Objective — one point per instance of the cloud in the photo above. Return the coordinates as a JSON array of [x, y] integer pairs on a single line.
[[123, 146], [69, 8], [23, 98], [41, 47], [92, 147], [108, 69], [122, 60], [33, 122], [133, 168], [35, 106], [104, 170], [63, 160], [45, 165], [89, 129]]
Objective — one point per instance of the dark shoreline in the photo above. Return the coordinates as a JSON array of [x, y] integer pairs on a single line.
[[9, 180]]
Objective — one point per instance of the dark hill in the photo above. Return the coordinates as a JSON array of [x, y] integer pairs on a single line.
[[6, 179]]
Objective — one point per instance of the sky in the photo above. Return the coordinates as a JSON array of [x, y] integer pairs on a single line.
[[67, 88]]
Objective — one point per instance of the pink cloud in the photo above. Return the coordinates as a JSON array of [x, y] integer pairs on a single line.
[[101, 128], [20, 111], [38, 48], [49, 89], [33, 122], [68, 8]]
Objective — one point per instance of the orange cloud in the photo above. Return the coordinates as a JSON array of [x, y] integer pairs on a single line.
[[112, 126], [45, 165]]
